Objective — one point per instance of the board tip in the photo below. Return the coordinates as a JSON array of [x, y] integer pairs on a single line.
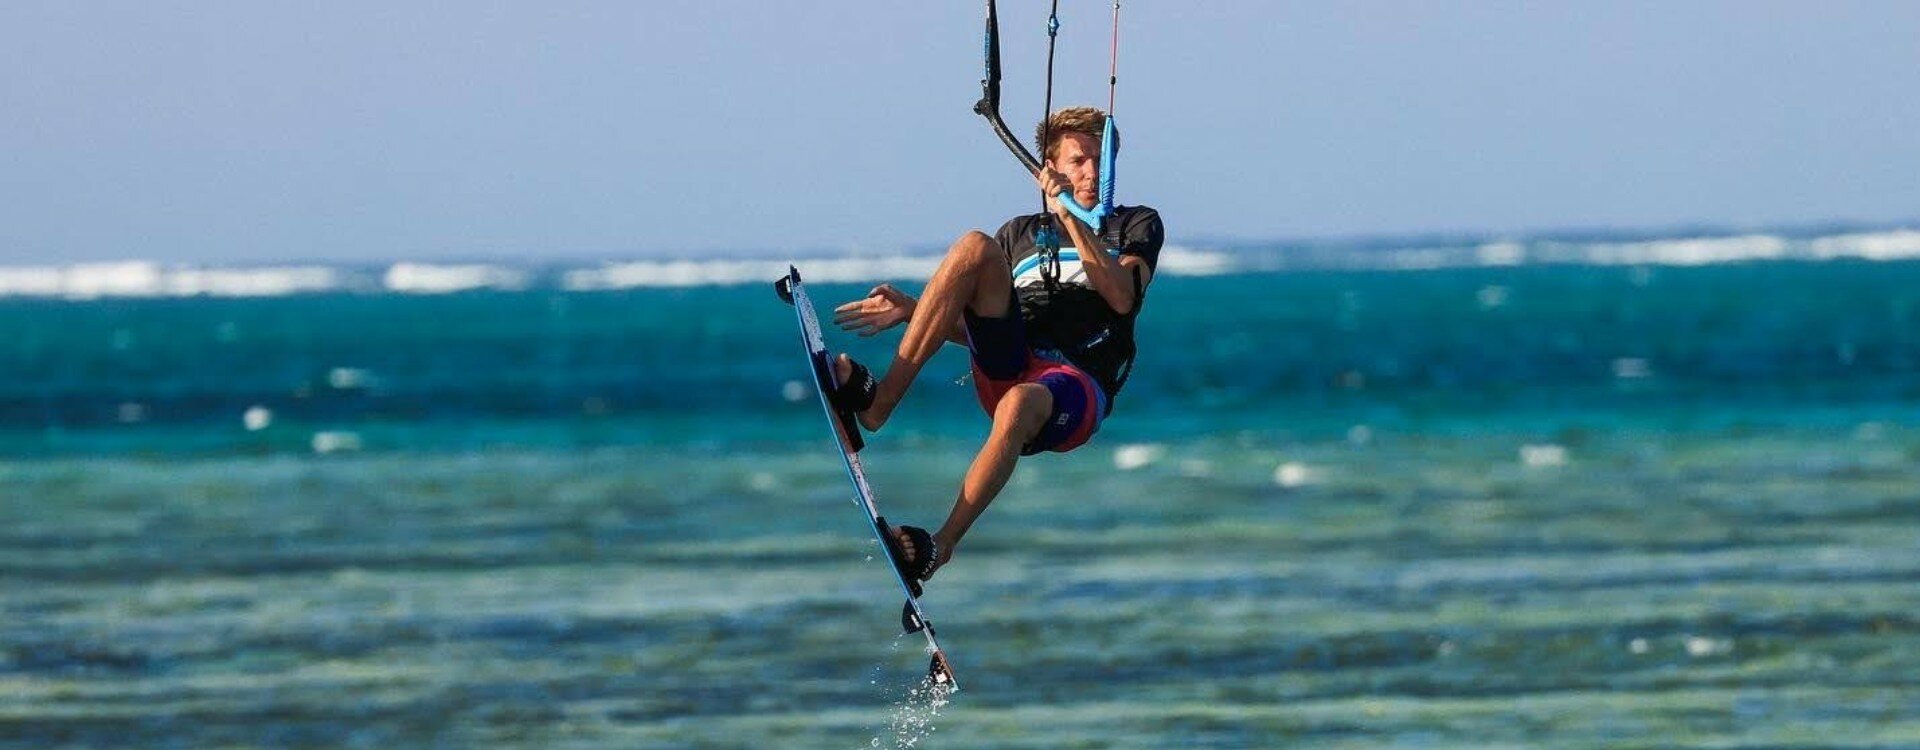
[[940, 673]]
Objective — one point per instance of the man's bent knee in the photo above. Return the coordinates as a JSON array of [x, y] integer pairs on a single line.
[[1024, 410], [978, 257], [976, 248]]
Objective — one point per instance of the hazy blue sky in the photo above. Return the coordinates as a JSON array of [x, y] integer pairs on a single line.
[[212, 131]]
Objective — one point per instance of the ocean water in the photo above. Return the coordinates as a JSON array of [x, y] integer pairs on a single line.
[[1625, 492]]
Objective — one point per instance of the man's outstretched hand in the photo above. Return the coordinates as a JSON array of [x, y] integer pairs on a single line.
[[882, 308]]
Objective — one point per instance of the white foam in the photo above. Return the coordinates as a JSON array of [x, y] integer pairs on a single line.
[[1699, 646], [1895, 245], [147, 279], [687, 273], [1293, 474], [256, 418], [1174, 260], [1184, 261], [144, 278], [130, 279], [1501, 254], [1136, 455], [677, 273], [252, 282], [423, 278], [336, 442], [1694, 251], [1631, 368], [1543, 456], [32, 281], [344, 378]]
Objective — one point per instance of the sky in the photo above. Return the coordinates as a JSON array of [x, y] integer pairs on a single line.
[[217, 131]]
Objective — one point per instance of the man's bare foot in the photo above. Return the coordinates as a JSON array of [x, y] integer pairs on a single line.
[[875, 415]]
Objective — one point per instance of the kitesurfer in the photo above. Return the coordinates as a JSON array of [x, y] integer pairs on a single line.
[[1046, 308]]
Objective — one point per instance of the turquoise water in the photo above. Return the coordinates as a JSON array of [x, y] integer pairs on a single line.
[[1538, 506]]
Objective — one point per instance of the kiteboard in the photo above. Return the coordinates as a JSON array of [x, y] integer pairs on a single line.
[[847, 438]]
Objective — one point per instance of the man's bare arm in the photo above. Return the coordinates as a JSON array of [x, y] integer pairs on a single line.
[[1109, 276]]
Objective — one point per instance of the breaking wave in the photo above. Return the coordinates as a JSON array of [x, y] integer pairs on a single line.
[[139, 278]]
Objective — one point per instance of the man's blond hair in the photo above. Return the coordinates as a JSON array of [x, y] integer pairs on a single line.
[[1087, 121]]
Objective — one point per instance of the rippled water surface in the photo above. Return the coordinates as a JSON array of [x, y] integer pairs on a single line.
[[1650, 590]]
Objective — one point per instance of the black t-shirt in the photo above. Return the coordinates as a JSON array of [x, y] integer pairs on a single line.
[[1070, 318]]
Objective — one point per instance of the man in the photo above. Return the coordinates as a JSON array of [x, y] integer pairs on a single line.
[[1051, 342]]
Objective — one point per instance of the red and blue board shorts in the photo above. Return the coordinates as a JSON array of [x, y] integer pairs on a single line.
[[1003, 359]]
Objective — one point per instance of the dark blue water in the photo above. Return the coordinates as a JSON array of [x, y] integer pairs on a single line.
[[172, 376]]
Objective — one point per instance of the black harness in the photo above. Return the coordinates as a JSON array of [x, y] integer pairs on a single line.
[[1077, 322]]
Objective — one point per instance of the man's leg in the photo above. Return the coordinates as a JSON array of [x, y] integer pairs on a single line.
[[973, 276], [1017, 419]]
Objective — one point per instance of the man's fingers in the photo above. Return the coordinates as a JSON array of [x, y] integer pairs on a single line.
[[856, 307], [866, 324], [851, 317], [872, 314], [865, 305]]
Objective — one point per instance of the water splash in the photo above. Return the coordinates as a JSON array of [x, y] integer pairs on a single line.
[[914, 710]]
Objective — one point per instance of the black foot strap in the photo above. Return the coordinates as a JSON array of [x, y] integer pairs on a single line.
[[855, 395], [918, 563]]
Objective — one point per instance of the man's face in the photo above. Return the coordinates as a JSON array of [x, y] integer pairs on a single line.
[[1078, 159]]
